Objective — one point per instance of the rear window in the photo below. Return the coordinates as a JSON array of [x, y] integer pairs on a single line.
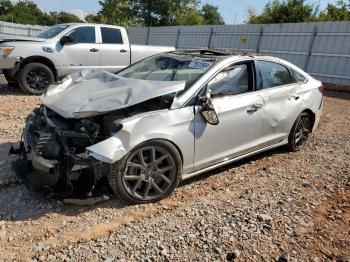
[[111, 35], [271, 74], [297, 77]]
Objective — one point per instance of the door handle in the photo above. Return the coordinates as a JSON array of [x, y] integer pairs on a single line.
[[253, 108], [123, 51], [293, 96], [93, 50]]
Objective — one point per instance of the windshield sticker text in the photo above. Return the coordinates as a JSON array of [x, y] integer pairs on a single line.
[[199, 64]]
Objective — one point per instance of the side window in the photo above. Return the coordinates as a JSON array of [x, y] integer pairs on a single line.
[[85, 34], [297, 77], [270, 74], [232, 80], [111, 35]]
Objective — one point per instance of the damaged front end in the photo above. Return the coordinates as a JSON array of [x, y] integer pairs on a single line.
[[83, 111], [52, 152]]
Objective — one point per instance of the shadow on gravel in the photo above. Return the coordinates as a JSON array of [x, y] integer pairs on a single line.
[[11, 90], [18, 203], [276, 151]]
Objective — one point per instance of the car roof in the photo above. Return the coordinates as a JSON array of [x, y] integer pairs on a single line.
[[93, 24], [220, 56]]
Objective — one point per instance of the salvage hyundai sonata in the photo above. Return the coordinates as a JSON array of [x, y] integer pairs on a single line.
[[163, 119]]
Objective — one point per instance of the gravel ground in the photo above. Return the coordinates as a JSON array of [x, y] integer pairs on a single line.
[[277, 206]]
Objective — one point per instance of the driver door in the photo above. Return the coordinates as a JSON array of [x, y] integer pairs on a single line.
[[83, 53], [239, 112]]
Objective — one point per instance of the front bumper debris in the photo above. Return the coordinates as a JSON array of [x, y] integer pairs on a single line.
[[38, 171], [6, 63]]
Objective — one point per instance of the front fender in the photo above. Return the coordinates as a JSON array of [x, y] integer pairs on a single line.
[[175, 126]]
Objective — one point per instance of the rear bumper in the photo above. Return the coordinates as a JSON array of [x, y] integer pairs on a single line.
[[6, 63]]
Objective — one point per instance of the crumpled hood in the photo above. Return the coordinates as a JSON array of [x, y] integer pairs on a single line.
[[5, 38], [93, 92]]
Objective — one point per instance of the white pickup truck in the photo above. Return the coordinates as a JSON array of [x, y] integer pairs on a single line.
[[36, 62]]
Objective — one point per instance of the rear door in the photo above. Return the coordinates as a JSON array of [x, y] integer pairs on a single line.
[[239, 112], [115, 50], [83, 53], [282, 100]]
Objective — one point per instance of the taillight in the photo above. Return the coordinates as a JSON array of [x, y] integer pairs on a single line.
[[321, 89]]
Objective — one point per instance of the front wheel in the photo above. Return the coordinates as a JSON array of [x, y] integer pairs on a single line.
[[300, 132], [35, 78], [147, 174]]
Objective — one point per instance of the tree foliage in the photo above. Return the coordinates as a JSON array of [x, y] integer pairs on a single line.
[[338, 12], [286, 11], [27, 12], [293, 11], [157, 13], [173, 12], [211, 15], [116, 12]]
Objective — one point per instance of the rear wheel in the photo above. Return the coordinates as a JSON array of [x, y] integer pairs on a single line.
[[35, 78], [300, 132], [149, 173]]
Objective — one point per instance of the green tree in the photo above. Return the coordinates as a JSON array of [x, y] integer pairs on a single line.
[[153, 13], [286, 11], [90, 18], [117, 12], [6, 7], [211, 15], [338, 12], [27, 12], [188, 14]]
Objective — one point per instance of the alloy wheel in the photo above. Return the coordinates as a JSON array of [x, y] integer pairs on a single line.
[[302, 132], [37, 79], [149, 172]]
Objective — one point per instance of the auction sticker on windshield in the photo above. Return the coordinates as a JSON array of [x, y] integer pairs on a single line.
[[199, 64]]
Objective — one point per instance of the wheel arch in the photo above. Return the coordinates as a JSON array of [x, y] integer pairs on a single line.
[[313, 116], [39, 59]]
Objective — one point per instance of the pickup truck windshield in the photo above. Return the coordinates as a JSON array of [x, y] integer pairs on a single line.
[[52, 31], [169, 67]]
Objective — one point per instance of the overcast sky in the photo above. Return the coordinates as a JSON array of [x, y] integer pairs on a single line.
[[231, 10]]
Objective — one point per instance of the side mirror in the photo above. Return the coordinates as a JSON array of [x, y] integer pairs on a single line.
[[208, 112], [66, 40]]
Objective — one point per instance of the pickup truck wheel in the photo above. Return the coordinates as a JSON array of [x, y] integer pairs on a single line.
[[34, 78], [147, 174]]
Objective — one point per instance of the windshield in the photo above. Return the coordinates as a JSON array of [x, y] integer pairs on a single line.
[[52, 31], [170, 67]]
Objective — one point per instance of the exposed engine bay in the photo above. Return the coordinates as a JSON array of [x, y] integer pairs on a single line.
[[53, 151]]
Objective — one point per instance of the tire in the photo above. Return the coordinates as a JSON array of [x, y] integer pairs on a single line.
[[137, 183], [300, 132], [34, 78]]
